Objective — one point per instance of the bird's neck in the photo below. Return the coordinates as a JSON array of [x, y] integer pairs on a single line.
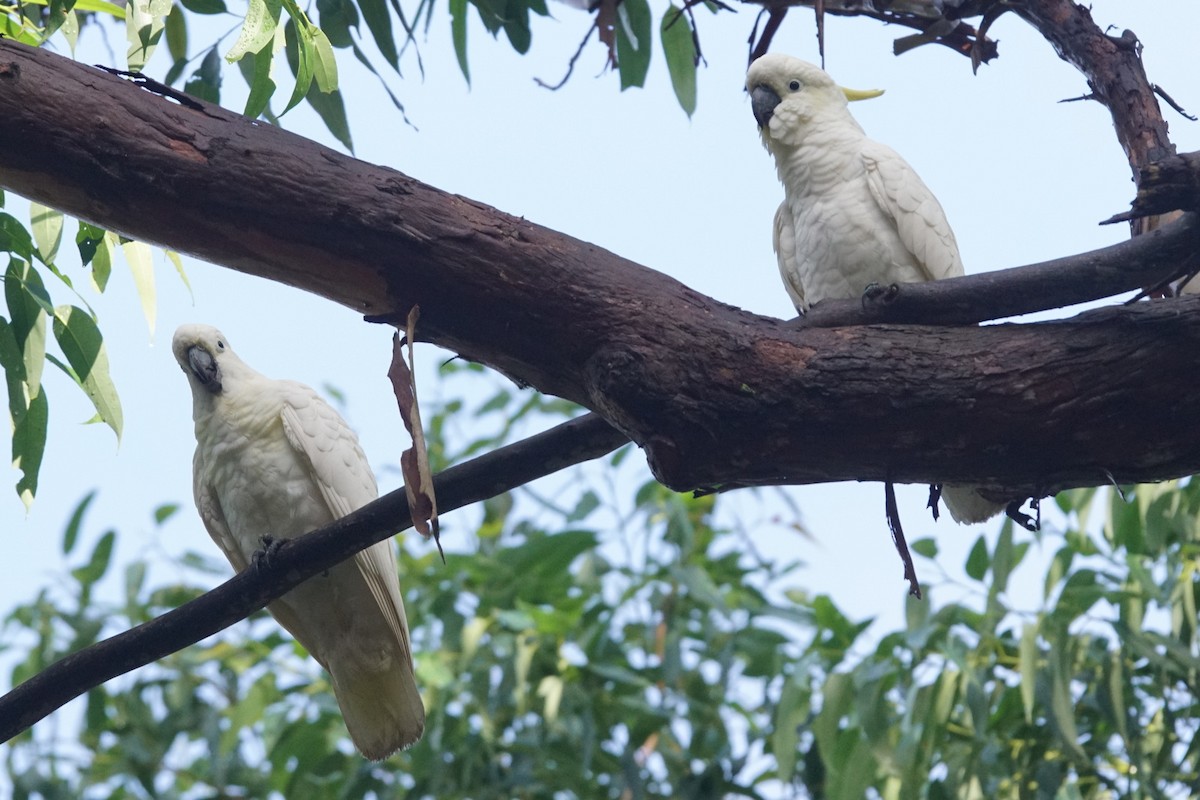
[[821, 157]]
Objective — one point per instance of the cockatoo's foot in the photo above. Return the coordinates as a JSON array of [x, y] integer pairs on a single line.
[[1013, 511], [270, 546], [934, 502], [878, 293]]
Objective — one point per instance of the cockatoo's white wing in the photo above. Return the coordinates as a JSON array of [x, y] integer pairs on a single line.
[[784, 242], [919, 219], [378, 705], [213, 518], [341, 471]]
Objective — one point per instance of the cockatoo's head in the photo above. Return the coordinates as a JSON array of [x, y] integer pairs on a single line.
[[790, 98], [204, 355]]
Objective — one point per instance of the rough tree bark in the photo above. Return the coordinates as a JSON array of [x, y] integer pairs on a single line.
[[712, 393]]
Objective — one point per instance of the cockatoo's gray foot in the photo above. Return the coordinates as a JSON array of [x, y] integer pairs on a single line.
[[1014, 512], [270, 547], [879, 293]]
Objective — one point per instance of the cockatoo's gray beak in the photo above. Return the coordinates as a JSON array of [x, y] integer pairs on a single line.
[[205, 368], [763, 101]]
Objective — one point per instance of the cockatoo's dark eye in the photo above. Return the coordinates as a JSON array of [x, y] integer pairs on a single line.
[[220, 345], [794, 86]]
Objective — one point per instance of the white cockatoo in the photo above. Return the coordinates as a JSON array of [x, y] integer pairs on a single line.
[[854, 212], [275, 460]]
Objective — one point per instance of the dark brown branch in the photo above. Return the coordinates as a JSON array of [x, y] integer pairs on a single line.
[[572, 442], [715, 395], [945, 27], [1163, 255], [1164, 186], [1116, 77]]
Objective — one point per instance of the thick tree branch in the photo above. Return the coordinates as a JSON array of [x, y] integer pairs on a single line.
[[572, 442], [714, 394]]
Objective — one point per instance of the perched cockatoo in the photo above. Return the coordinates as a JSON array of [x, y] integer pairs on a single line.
[[854, 212], [274, 460]]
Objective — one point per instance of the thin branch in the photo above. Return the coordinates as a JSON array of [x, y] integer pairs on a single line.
[[296, 560], [570, 64], [1162, 255]]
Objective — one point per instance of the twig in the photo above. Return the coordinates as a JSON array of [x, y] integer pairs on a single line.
[[296, 560], [571, 63], [1158, 90], [893, 518]]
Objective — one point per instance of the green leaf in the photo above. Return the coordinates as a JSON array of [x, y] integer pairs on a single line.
[[87, 240], [75, 523], [633, 42], [102, 262], [458, 32], [332, 111], [177, 37], [27, 301], [516, 25], [205, 82], [977, 560], [258, 30], [141, 267], [256, 69], [324, 64], [299, 42], [47, 227], [14, 238], [679, 47], [165, 512], [29, 445], [144, 23], [379, 23], [1028, 661], [97, 565], [337, 18], [790, 715], [925, 547], [204, 6], [82, 344]]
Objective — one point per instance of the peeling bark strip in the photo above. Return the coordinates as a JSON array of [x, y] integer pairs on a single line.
[[715, 395]]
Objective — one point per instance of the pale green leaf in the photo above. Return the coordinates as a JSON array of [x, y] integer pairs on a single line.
[[1028, 660], [70, 29], [102, 258], [324, 63], [141, 266], [82, 344], [177, 262], [258, 30], [143, 28]]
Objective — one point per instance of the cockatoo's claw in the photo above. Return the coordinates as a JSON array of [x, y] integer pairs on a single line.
[[934, 502], [878, 293], [1013, 511], [270, 546]]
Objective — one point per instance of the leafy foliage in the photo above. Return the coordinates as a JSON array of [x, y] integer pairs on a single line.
[[613, 643]]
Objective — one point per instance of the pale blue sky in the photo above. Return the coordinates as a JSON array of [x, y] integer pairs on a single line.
[[1022, 179]]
